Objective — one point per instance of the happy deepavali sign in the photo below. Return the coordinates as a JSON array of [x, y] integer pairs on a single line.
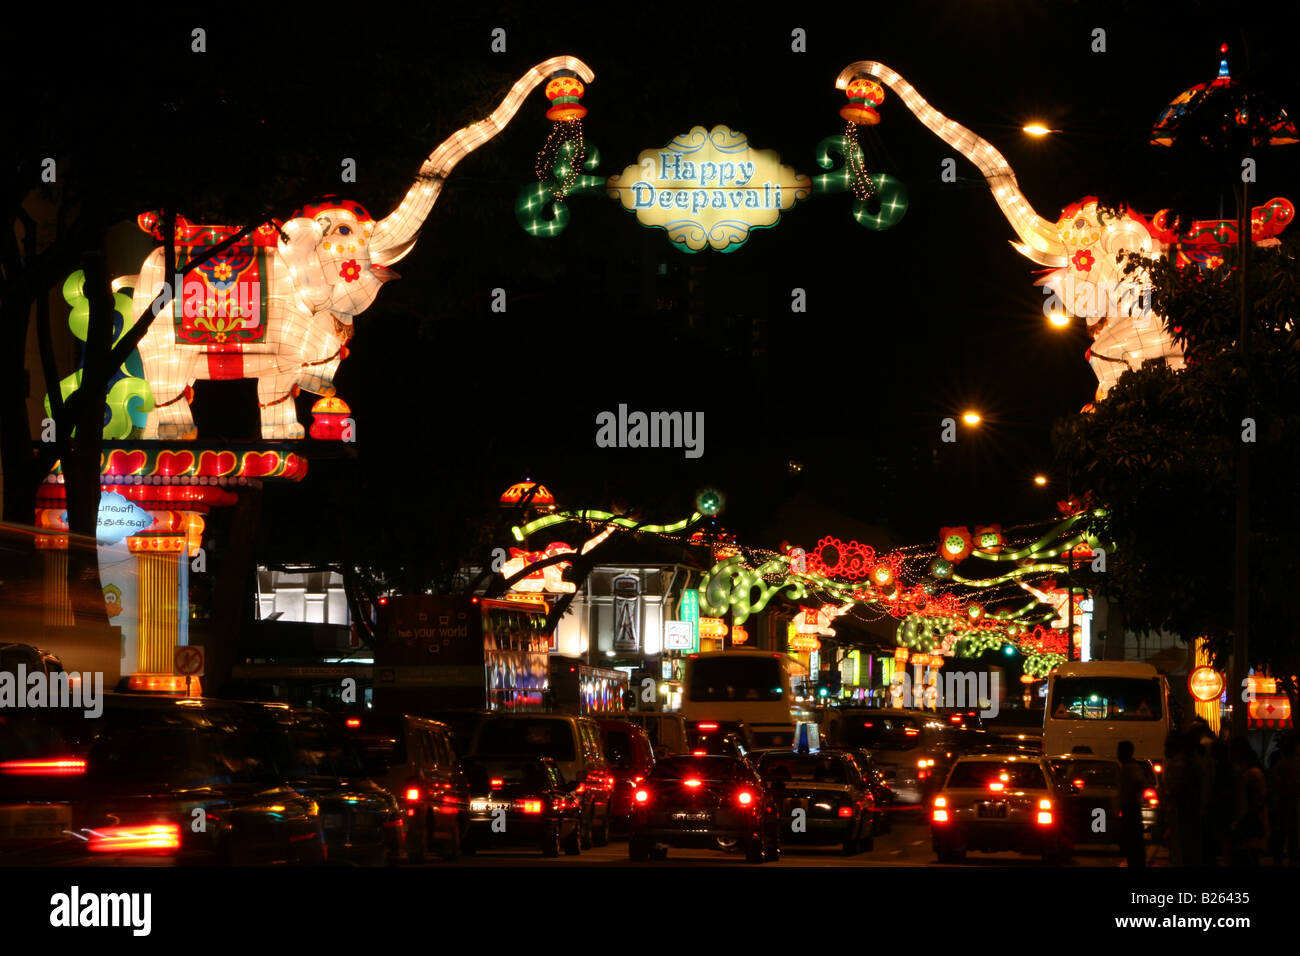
[[709, 189]]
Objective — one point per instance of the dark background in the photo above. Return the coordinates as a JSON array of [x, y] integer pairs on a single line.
[[903, 327]]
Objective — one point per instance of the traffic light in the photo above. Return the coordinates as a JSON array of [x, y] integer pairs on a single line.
[[828, 684]]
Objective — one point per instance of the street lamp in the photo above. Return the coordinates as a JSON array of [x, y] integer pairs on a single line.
[[1059, 319], [1040, 480], [971, 418], [1038, 129]]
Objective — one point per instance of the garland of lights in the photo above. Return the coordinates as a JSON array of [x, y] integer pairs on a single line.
[[521, 533]]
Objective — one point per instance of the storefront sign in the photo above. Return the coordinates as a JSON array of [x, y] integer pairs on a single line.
[[690, 613], [627, 613], [713, 627], [709, 188], [678, 635]]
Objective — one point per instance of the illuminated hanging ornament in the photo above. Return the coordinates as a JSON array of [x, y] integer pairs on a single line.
[[974, 613], [954, 543], [541, 496], [989, 538], [709, 502], [565, 151], [941, 568], [331, 419], [864, 95]]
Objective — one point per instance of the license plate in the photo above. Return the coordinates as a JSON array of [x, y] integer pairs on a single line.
[[484, 806], [995, 810], [693, 815]]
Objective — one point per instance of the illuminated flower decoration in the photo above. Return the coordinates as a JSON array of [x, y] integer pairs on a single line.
[[954, 543], [883, 575], [975, 613], [855, 561], [350, 271], [990, 538], [222, 271], [941, 568], [1083, 260]]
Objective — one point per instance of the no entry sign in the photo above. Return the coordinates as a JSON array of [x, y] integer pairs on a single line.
[[187, 661]]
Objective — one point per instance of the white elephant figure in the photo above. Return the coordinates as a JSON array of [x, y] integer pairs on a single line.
[[1086, 245], [279, 307]]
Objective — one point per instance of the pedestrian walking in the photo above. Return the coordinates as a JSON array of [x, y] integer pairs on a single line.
[[1132, 782], [1250, 826], [1286, 784]]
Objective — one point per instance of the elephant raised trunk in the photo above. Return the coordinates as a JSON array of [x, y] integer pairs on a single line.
[[395, 234], [1040, 239]]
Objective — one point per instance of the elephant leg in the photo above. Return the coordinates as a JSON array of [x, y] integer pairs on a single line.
[[171, 419], [275, 401], [319, 379]]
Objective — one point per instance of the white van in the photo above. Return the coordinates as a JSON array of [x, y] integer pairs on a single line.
[[1093, 705]]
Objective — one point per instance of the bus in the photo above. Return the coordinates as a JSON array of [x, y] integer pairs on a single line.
[[1093, 705], [748, 685], [440, 651]]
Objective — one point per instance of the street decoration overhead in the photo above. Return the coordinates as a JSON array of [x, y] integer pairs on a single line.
[[278, 304], [1085, 247], [708, 188]]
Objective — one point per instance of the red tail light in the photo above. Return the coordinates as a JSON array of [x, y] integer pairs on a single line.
[[54, 766], [353, 721], [610, 782], [911, 732], [157, 837], [1150, 796], [708, 726], [531, 806], [745, 797], [940, 810], [497, 783], [955, 718], [1045, 812], [642, 796], [1078, 783], [692, 782], [996, 786], [846, 812], [699, 753], [412, 794]]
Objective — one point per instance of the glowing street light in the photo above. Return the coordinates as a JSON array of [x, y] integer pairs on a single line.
[[1040, 480], [1059, 319], [1037, 129], [971, 418]]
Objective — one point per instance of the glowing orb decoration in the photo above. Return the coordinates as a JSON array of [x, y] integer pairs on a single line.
[[1205, 684], [330, 419], [954, 543], [709, 502], [708, 189], [941, 568]]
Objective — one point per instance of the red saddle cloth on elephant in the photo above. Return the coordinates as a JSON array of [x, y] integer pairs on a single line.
[[223, 300]]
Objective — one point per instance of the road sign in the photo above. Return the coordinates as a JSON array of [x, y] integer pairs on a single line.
[[187, 661]]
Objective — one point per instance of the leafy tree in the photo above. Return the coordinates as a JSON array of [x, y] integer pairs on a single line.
[[1160, 453]]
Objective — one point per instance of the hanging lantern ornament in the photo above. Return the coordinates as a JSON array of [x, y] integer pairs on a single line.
[[565, 151], [883, 575], [864, 94], [975, 613], [941, 568], [989, 538]]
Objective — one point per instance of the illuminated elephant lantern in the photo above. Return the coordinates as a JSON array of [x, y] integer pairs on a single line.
[[279, 306], [1084, 245]]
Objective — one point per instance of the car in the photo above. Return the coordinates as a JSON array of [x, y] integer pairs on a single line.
[[152, 780], [631, 758], [667, 731], [900, 740], [575, 746], [1092, 784], [882, 797], [692, 801], [827, 786], [362, 822], [998, 802], [523, 800], [414, 758]]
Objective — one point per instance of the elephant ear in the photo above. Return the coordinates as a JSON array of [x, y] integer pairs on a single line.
[[298, 246]]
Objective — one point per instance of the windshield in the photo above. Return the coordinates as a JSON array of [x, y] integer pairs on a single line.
[[713, 768], [1011, 776], [308, 748], [1087, 774], [882, 733], [538, 738], [809, 769], [1106, 698], [740, 678], [179, 746]]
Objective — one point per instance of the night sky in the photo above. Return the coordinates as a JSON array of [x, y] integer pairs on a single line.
[[903, 327]]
